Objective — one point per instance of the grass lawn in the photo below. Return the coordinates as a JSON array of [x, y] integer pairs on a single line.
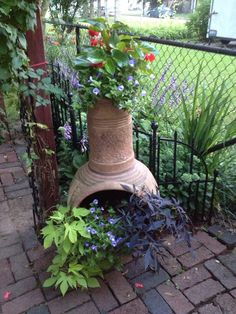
[[185, 65]]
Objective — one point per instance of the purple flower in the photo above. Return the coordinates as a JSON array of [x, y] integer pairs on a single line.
[[143, 93], [96, 91], [86, 244], [92, 210], [101, 224], [90, 79], [94, 247], [111, 221], [136, 83], [96, 217], [114, 243], [93, 231], [95, 201], [75, 81], [67, 131], [102, 209], [132, 62], [130, 78], [109, 233], [88, 229], [112, 238], [120, 88]]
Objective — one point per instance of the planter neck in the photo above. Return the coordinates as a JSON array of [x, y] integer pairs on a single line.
[[110, 138]]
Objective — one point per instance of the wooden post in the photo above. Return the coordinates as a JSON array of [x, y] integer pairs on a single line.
[[47, 165]]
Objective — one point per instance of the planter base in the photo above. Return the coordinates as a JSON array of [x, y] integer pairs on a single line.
[[88, 182]]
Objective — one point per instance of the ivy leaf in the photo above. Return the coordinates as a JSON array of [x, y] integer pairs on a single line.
[[49, 282], [93, 283], [80, 212]]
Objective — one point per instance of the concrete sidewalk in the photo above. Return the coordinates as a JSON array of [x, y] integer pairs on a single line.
[[205, 284]]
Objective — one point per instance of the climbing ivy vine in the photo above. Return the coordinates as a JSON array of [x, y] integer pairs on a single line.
[[16, 17]]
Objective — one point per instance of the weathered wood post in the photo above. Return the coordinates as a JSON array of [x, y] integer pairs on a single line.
[[46, 166]]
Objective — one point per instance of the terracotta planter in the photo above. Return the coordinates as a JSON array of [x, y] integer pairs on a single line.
[[111, 160]]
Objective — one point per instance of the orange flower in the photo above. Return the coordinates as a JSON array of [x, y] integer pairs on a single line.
[[56, 43]]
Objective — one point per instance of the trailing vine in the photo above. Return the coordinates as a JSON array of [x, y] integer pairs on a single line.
[[16, 18]]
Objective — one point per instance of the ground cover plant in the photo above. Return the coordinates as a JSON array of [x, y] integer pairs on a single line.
[[91, 241]]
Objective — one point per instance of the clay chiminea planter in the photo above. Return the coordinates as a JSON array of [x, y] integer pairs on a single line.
[[111, 160]]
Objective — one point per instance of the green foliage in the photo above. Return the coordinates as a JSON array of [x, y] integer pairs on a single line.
[[207, 117], [16, 18], [198, 22], [39, 84], [166, 32], [87, 243], [69, 160], [109, 68]]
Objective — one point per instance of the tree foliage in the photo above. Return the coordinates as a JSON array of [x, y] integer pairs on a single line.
[[65, 10]]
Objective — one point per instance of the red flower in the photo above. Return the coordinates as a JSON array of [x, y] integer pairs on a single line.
[[97, 65], [93, 33], [150, 57], [138, 285], [93, 41], [6, 295]]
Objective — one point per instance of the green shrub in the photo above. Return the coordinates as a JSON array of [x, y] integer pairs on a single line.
[[171, 32], [198, 22]]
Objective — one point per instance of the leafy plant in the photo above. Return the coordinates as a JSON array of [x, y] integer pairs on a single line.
[[146, 218], [16, 18], [87, 243], [198, 21], [208, 117], [109, 67]]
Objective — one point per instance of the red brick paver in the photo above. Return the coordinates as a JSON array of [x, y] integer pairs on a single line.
[[23, 303], [191, 277], [70, 301], [200, 255], [176, 300], [212, 244], [203, 291], [227, 303], [134, 307], [120, 287], [225, 276]]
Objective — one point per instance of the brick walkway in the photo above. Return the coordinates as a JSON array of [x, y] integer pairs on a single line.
[[205, 284]]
